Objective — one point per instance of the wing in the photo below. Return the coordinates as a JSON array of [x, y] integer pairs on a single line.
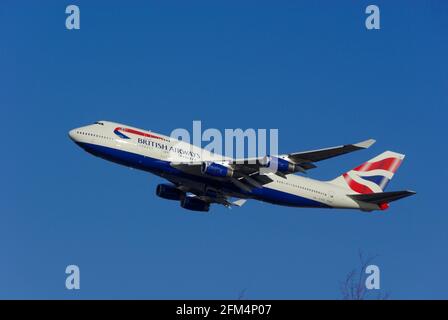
[[327, 153], [303, 160], [250, 173]]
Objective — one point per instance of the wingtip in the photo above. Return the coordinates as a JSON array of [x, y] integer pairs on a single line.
[[365, 144], [239, 202]]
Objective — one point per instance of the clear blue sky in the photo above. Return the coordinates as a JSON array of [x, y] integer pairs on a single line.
[[311, 70]]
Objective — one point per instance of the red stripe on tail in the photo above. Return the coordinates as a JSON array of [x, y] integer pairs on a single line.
[[389, 164], [355, 186]]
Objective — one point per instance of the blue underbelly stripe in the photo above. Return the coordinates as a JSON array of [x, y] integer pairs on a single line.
[[152, 165]]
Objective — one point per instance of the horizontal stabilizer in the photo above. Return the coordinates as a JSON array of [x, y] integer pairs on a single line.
[[381, 197]]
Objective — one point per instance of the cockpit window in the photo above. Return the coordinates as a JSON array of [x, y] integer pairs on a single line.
[[100, 123]]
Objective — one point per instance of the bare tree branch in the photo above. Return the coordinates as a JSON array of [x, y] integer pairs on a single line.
[[354, 285], [242, 294]]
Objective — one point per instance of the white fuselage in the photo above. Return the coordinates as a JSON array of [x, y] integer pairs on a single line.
[[155, 153]]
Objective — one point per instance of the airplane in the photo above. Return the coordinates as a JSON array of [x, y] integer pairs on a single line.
[[198, 178]]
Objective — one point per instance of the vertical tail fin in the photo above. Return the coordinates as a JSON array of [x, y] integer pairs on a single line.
[[371, 176]]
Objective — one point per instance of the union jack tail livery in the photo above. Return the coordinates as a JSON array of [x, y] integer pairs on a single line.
[[373, 175]]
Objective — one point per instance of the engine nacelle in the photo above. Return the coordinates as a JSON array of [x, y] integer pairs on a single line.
[[280, 164], [216, 169], [194, 204], [169, 192]]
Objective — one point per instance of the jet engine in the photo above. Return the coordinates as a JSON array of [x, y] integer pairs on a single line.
[[169, 192], [216, 169], [282, 165], [194, 204]]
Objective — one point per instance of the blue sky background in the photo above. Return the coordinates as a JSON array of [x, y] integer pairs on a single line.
[[312, 70]]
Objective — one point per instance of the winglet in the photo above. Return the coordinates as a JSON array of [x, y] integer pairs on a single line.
[[365, 144]]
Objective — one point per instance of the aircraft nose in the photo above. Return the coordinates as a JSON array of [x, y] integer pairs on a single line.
[[72, 134]]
